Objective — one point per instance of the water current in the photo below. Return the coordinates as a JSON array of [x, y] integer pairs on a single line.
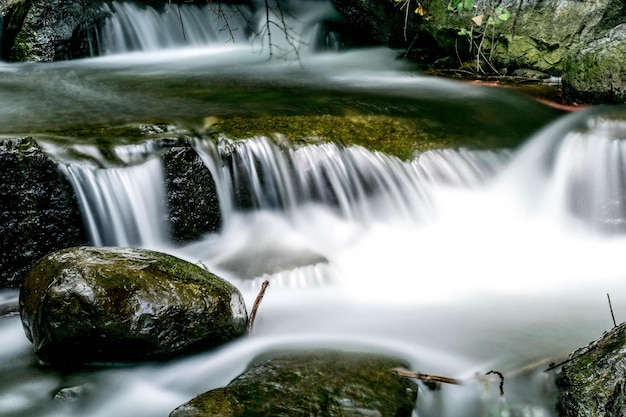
[[460, 260]]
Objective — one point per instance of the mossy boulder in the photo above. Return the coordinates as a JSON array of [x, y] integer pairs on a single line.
[[311, 383], [89, 305], [593, 382], [39, 211], [597, 72]]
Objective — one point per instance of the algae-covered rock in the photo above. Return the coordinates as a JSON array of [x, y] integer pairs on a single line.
[[90, 305], [39, 212], [597, 72], [593, 382], [322, 383], [192, 195]]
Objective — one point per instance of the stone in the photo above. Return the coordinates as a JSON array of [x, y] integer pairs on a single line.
[[39, 212], [593, 382], [193, 203], [324, 383], [597, 72], [89, 305]]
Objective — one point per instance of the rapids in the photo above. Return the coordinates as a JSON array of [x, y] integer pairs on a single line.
[[459, 260]]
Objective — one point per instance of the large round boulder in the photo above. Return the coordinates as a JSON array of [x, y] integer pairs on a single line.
[[322, 383], [93, 305]]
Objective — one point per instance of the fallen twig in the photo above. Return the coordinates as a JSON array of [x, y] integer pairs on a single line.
[[611, 308], [255, 306], [501, 380], [425, 377]]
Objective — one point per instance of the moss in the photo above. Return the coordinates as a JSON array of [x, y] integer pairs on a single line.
[[320, 383], [397, 136]]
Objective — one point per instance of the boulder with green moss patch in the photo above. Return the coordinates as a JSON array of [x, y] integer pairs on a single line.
[[593, 382], [91, 305], [322, 383]]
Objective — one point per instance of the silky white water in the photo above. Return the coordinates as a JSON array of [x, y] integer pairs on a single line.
[[502, 273], [460, 261]]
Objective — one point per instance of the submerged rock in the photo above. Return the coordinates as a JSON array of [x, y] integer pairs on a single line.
[[321, 383], [593, 382], [39, 211], [92, 305]]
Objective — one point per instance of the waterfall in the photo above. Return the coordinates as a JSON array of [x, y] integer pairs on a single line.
[[133, 27], [122, 206], [575, 170], [257, 174]]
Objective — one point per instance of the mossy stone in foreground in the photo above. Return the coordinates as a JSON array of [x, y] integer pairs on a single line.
[[90, 305], [593, 383], [322, 383]]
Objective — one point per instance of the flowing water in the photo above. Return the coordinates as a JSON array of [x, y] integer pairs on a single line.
[[459, 260]]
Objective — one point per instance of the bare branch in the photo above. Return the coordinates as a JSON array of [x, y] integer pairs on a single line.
[[255, 307]]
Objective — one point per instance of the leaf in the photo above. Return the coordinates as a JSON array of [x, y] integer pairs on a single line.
[[504, 16], [463, 32], [459, 7], [469, 4], [478, 19], [421, 11], [491, 21]]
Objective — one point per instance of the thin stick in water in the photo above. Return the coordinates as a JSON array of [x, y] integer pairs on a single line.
[[425, 377], [255, 306], [611, 308]]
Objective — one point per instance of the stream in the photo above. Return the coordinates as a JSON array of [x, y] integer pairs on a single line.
[[459, 260]]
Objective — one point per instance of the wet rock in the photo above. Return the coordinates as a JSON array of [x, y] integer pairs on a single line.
[[595, 74], [321, 383], [193, 203], [593, 382], [92, 305], [39, 211], [48, 30]]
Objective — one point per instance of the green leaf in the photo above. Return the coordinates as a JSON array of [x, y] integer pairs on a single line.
[[469, 4], [459, 7], [504, 15]]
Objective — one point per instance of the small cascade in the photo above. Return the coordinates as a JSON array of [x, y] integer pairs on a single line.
[[577, 167], [122, 206], [257, 174], [133, 27]]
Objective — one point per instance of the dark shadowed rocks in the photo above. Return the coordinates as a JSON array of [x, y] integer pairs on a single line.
[[38, 209]]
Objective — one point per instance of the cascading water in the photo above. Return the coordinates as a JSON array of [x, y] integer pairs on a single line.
[[123, 205], [458, 261], [471, 287], [131, 27]]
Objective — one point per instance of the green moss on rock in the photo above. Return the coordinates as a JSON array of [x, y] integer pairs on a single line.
[[321, 383], [593, 382], [90, 305]]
